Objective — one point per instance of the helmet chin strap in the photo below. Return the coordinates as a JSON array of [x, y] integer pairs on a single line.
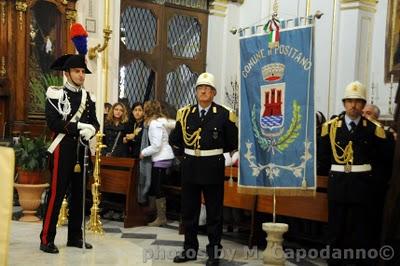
[[73, 82]]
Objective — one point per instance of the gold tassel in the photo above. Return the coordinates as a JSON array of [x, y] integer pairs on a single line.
[[304, 183], [77, 168], [63, 215]]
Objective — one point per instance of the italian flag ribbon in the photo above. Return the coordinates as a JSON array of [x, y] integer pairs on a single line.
[[272, 29]]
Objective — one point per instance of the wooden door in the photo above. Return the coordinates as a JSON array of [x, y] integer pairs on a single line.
[[162, 51]]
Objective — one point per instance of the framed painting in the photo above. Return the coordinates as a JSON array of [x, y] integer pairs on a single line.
[[90, 25], [392, 51]]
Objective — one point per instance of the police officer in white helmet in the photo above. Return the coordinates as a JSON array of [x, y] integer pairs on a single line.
[[353, 147], [203, 131]]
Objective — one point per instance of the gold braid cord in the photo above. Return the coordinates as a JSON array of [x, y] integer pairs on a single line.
[[189, 139], [275, 7], [347, 152]]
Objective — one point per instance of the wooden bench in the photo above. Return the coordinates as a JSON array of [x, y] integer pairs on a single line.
[[311, 208], [119, 175]]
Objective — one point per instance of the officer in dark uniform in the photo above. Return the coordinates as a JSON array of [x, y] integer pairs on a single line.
[[204, 131], [353, 145], [71, 115]]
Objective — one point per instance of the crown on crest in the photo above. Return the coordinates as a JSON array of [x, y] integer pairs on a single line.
[[273, 72]]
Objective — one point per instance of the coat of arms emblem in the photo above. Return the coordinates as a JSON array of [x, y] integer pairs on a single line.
[[272, 111]]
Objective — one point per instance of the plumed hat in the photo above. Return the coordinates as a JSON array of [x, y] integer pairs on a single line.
[[65, 62]]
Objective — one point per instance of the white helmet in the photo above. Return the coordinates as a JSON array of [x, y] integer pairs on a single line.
[[206, 79], [355, 90]]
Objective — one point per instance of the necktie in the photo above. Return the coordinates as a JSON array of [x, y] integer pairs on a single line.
[[203, 114], [353, 126]]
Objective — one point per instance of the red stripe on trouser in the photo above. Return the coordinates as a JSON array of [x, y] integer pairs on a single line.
[[50, 207]]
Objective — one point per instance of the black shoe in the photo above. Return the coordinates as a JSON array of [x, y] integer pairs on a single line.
[[186, 255], [49, 248], [212, 262], [78, 244]]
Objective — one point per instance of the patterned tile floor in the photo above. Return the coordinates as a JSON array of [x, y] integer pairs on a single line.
[[126, 246]]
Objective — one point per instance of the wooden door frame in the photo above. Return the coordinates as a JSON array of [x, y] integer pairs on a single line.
[[160, 59]]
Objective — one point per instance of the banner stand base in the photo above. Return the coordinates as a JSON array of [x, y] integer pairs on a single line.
[[274, 254]]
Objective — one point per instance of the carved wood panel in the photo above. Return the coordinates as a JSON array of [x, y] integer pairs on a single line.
[[17, 34]]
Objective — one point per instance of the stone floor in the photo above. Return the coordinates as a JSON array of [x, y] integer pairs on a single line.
[[127, 246]]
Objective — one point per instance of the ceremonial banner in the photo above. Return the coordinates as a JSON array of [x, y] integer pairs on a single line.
[[277, 142]]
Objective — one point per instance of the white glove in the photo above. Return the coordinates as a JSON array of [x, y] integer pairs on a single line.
[[87, 133], [84, 125]]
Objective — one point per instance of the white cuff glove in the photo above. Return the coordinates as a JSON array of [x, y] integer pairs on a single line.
[[87, 133], [84, 125]]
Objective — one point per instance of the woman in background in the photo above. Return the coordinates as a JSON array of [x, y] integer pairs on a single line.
[[115, 129], [134, 138], [161, 154]]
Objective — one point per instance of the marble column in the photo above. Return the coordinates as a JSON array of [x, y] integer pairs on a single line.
[[353, 51]]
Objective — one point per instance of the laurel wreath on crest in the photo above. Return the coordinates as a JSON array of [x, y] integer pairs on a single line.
[[283, 142]]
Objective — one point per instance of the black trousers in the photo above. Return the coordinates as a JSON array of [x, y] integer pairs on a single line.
[[63, 162], [191, 203], [352, 226], [157, 180]]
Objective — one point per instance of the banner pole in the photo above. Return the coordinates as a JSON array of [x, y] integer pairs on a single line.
[[274, 207]]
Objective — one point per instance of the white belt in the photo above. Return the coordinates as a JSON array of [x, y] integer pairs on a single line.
[[203, 153], [351, 168]]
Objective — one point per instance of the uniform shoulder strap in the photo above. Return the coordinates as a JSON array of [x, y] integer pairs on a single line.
[[379, 130], [232, 113], [325, 126], [375, 122]]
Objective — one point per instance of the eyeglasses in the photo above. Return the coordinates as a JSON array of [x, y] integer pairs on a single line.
[[204, 87]]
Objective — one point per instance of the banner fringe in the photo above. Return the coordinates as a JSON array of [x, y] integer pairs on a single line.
[[295, 192]]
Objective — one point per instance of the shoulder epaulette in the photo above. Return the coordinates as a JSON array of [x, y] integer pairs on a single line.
[[180, 112], [376, 123], [232, 114], [379, 130], [54, 92], [325, 126]]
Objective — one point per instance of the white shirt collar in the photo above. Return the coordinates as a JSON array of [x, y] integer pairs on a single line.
[[201, 108], [348, 120]]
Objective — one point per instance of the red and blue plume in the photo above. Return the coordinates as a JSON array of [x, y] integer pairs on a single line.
[[78, 36]]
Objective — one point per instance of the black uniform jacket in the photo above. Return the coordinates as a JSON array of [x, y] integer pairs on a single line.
[[370, 146], [218, 131], [55, 120]]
